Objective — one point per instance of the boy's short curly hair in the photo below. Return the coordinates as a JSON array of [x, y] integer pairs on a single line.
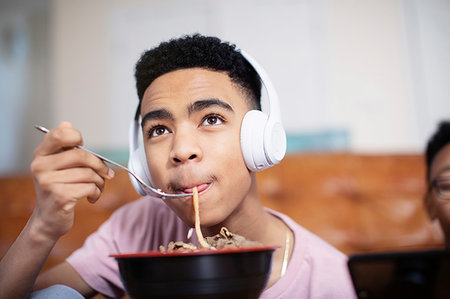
[[439, 139], [190, 51]]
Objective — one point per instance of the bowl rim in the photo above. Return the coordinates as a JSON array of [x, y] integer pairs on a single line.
[[195, 252]]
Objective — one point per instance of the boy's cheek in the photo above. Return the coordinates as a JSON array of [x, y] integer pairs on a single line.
[[157, 179]]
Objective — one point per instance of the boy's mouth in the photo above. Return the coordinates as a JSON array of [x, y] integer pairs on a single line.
[[202, 184], [200, 188]]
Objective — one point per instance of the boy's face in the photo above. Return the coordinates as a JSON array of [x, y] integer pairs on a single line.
[[440, 208], [191, 121]]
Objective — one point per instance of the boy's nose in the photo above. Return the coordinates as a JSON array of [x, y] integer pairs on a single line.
[[184, 148], [181, 159]]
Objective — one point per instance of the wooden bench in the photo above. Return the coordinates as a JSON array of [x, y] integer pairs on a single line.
[[358, 203]]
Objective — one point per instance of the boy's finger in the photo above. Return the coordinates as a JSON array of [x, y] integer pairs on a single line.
[[65, 136]]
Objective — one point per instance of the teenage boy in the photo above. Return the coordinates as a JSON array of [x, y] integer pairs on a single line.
[[194, 92], [437, 198]]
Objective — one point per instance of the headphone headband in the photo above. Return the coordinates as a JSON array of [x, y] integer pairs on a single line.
[[274, 106]]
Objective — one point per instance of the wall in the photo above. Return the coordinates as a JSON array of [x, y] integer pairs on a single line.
[[25, 93], [373, 69]]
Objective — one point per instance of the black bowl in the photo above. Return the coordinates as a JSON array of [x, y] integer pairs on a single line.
[[223, 273]]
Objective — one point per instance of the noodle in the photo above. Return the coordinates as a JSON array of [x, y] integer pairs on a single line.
[[224, 239], [198, 231]]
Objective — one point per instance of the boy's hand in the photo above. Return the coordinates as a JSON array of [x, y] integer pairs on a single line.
[[62, 175]]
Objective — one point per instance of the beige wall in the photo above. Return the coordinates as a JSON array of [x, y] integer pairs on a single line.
[[344, 64], [80, 70], [368, 67], [369, 82]]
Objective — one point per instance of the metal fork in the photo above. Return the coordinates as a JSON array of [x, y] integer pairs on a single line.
[[149, 189]]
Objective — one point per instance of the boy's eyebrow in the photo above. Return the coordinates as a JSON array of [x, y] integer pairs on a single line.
[[156, 114], [203, 104], [194, 107]]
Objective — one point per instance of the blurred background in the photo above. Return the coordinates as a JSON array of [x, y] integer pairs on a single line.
[[358, 76]]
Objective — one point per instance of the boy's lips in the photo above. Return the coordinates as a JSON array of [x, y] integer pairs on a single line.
[[200, 188]]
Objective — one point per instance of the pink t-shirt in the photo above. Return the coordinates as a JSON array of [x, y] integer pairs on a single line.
[[316, 269]]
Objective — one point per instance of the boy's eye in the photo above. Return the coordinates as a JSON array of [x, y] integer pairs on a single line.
[[157, 131], [212, 120]]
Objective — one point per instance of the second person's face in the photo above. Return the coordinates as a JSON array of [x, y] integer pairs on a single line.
[[437, 207]]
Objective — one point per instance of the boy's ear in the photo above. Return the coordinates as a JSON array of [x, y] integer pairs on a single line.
[[430, 205]]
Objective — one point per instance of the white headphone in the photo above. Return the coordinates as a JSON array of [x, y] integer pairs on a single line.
[[263, 140]]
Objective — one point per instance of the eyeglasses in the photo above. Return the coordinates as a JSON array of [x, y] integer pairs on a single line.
[[442, 186]]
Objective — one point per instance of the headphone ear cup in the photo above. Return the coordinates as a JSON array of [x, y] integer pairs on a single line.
[[274, 142], [137, 163], [252, 140]]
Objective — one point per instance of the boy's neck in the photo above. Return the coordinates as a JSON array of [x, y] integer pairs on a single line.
[[249, 219]]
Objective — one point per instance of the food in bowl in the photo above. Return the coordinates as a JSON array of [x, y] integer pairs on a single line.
[[224, 239]]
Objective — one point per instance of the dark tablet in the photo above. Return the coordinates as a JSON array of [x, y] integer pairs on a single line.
[[419, 274]]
